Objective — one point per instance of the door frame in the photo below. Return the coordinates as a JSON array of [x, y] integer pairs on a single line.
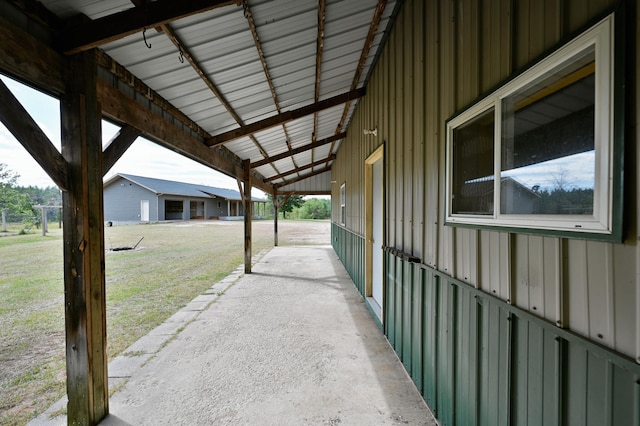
[[377, 155], [142, 204]]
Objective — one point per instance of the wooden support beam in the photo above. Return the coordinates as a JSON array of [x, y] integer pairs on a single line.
[[94, 33], [118, 106], [284, 199], [28, 59], [276, 206], [84, 273], [299, 169], [118, 146], [120, 95], [299, 150], [248, 213], [240, 189], [285, 117], [303, 177], [30, 135]]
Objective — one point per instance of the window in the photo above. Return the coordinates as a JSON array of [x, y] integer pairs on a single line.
[[538, 154], [173, 206], [343, 204]]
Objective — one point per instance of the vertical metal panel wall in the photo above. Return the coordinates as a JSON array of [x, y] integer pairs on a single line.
[[493, 327]]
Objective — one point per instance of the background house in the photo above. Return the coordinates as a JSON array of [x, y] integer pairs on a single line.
[[132, 199]]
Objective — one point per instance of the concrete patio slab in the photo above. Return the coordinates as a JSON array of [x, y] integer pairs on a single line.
[[290, 344]]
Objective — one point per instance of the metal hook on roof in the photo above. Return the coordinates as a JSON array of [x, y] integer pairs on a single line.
[[144, 36], [245, 8]]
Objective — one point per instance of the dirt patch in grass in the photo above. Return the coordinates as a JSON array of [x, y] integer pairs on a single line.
[[174, 263]]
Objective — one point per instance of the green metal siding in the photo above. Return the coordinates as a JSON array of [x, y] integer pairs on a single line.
[[417, 324], [466, 366], [480, 361], [350, 249]]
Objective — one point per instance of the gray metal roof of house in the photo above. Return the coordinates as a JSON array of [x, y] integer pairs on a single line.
[[248, 60], [169, 187]]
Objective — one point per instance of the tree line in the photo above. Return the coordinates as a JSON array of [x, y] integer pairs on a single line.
[[19, 202], [296, 207]]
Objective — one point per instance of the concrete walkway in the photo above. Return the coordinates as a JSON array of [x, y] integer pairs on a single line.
[[290, 344]]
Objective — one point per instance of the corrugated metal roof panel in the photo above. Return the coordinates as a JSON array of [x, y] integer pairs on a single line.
[[318, 183], [92, 8], [221, 42]]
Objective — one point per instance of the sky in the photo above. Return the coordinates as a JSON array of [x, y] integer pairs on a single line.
[[575, 171], [143, 158]]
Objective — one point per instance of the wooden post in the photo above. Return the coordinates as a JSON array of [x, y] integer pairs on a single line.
[[275, 218], [4, 220], [84, 277], [248, 212]]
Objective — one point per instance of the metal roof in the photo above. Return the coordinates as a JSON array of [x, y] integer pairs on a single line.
[[168, 187], [250, 60]]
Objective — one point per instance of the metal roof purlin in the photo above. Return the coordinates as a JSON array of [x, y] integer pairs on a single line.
[[285, 117], [377, 16], [94, 33]]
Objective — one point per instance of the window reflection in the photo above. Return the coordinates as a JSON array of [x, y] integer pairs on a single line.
[[548, 147], [473, 165]]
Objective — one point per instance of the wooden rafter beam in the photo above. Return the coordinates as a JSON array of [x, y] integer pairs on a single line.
[[322, 6], [300, 169], [240, 188], [303, 177], [263, 61], [121, 97], [195, 64], [186, 53], [18, 121], [300, 150], [121, 77], [117, 146], [94, 33], [267, 74], [181, 135], [373, 27], [119, 107], [285, 117]]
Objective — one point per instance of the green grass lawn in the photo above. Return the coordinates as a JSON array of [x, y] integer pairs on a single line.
[[173, 264]]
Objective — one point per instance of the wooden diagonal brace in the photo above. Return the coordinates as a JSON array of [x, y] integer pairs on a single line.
[[30, 135]]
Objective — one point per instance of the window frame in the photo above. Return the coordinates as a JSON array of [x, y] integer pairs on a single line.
[[606, 221]]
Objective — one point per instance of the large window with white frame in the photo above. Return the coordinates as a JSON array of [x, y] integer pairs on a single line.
[[538, 153]]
